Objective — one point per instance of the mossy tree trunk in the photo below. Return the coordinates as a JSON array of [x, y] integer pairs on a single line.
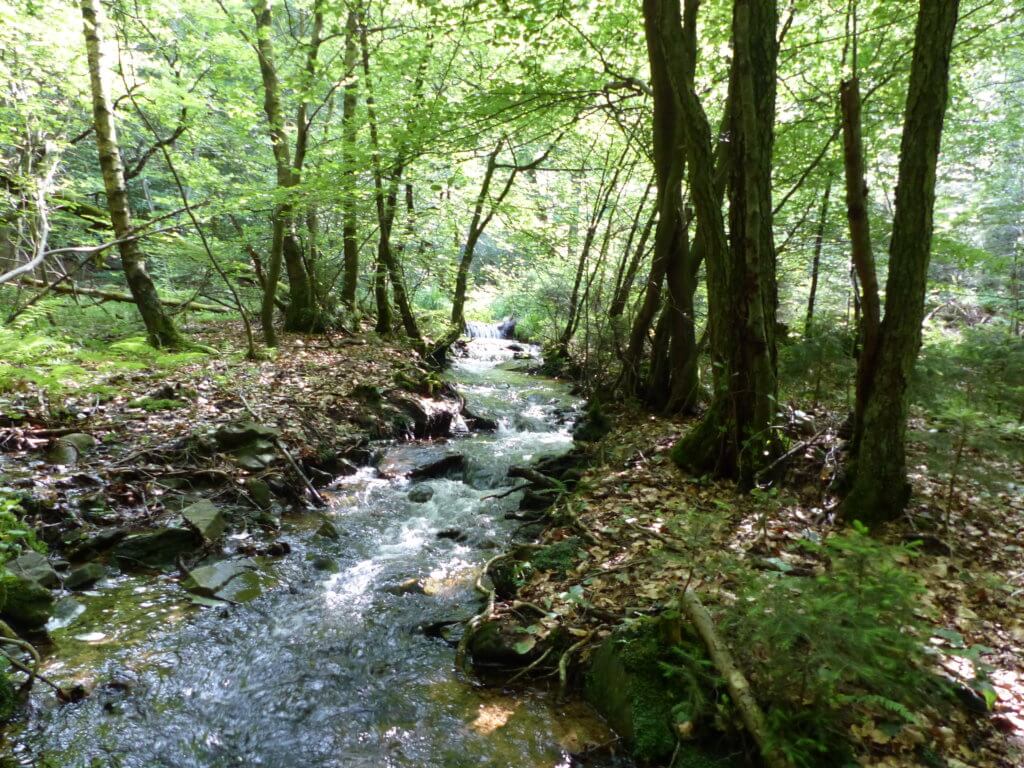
[[879, 490], [302, 313], [159, 326]]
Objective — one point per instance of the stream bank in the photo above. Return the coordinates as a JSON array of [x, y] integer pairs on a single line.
[[345, 655]]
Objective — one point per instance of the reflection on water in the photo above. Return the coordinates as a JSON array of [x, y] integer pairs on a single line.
[[325, 669]]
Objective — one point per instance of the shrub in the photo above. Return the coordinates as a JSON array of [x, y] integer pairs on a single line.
[[825, 651]]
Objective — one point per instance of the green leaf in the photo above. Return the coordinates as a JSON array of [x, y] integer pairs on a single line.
[[525, 645]]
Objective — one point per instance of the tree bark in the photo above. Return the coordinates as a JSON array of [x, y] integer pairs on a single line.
[[302, 313], [387, 203], [476, 228], [879, 489], [159, 326]]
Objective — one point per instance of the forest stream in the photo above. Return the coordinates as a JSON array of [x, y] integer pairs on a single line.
[[330, 668]]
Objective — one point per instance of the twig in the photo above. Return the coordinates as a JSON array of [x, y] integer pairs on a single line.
[[529, 666], [506, 493], [563, 663]]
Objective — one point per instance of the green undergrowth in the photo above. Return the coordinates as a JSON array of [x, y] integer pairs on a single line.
[[828, 652], [15, 535], [58, 364]]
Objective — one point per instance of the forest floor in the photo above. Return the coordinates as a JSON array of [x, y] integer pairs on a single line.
[[652, 531]]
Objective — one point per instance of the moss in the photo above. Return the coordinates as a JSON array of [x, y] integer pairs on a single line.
[[8, 698], [626, 685], [559, 557], [157, 404]]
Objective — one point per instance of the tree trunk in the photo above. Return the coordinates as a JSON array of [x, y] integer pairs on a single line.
[[734, 438], [159, 326], [387, 202], [350, 242], [476, 228], [302, 313], [879, 488], [819, 242], [625, 284], [861, 251], [669, 165]]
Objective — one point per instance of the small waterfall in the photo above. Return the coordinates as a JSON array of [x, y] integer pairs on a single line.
[[506, 329], [483, 331]]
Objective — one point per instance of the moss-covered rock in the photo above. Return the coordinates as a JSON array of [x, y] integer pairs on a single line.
[[156, 549], [593, 426], [625, 684], [24, 602]]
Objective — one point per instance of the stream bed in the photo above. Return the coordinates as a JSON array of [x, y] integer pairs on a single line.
[[329, 667]]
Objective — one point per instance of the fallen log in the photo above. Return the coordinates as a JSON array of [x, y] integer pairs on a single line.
[[750, 711], [99, 293]]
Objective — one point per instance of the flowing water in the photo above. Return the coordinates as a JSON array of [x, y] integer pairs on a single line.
[[327, 669]]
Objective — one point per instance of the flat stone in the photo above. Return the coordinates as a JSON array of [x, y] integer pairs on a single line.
[[93, 546], [208, 580], [156, 549], [453, 534], [34, 567], [259, 492], [232, 436], [85, 576], [206, 519], [455, 462], [255, 456]]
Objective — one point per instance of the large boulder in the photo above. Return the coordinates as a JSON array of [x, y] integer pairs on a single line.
[[156, 549], [625, 684]]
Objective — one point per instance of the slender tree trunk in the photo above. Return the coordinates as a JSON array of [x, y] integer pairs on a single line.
[[387, 202], [618, 305], [349, 237], [630, 262], [879, 489], [819, 243], [159, 326], [669, 166], [861, 250], [476, 228]]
